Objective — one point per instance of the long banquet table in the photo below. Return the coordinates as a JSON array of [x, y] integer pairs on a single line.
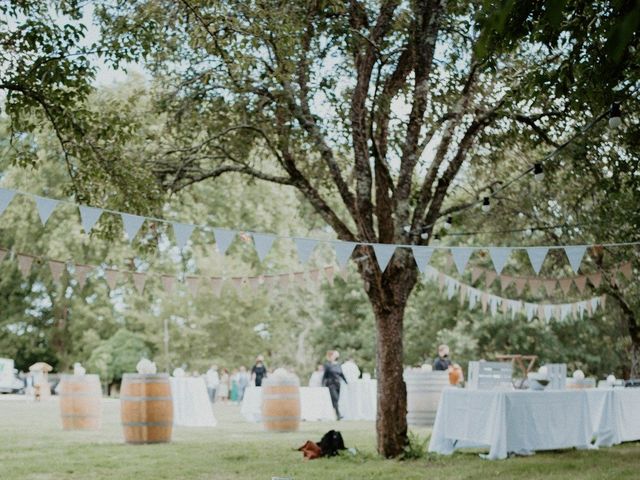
[[526, 421], [191, 405], [315, 404]]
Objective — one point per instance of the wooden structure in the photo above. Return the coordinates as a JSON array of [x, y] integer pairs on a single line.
[[281, 403], [80, 402], [424, 389], [146, 408], [520, 361]]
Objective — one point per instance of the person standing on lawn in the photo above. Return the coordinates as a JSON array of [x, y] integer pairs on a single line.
[[331, 379]]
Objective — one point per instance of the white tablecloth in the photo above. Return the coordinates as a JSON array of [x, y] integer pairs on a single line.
[[191, 406], [511, 421], [615, 415], [358, 400], [315, 404]]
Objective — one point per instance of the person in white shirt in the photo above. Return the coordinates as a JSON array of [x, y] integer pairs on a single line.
[[316, 377], [213, 380], [350, 370]]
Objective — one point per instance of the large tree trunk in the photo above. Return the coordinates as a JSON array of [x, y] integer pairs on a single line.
[[388, 294]]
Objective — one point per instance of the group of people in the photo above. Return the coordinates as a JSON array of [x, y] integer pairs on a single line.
[[225, 386]]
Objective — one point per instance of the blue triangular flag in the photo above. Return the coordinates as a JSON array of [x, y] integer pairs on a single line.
[[224, 238], [384, 252], [461, 256], [305, 248], [422, 255], [536, 257], [343, 252], [89, 216], [182, 232], [131, 224], [263, 243], [45, 207], [5, 198], [575, 253], [499, 257]]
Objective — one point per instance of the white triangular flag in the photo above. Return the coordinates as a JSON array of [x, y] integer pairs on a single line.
[[81, 274], [193, 284], [112, 277], [595, 301], [343, 252], [45, 207], [139, 279], [131, 224], [168, 282], [499, 257], [548, 312], [89, 216], [305, 248], [536, 257], [461, 256], [422, 256], [263, 243], [24, 264], [182, 232], [384, 252], [57, 269], [575, 253], [224, 237], [5, 198]]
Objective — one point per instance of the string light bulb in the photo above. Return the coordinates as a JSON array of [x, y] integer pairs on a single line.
[[407, 228], [538, 172], [449, 223], [615, 116], [528, 232], [486, 204], [424, 235]]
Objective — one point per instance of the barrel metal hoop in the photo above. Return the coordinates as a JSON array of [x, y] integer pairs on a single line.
[[147, 424]]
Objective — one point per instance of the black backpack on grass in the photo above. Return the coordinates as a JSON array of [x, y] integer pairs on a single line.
[[331, 443]]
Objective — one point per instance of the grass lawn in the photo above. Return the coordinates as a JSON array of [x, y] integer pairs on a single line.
[[33, 446]]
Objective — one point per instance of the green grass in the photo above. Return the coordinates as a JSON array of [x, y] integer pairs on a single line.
[[33, 446]]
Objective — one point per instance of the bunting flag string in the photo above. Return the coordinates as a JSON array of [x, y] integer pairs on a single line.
[[550, 284], [492, 303], [263, 242]]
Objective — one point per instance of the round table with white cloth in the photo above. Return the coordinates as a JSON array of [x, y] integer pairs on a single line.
[[315, 404], [191, 405], [358, 400]]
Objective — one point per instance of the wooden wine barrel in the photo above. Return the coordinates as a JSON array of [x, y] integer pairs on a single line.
[[80, 402], [146, 408], [424, 389], [281, 403]]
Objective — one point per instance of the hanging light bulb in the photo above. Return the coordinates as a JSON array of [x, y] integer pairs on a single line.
[[449, 223], [407, 228], [424, 235], [615, 118], [486, 204], [436, 239], [528, 232], [538, 173]]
